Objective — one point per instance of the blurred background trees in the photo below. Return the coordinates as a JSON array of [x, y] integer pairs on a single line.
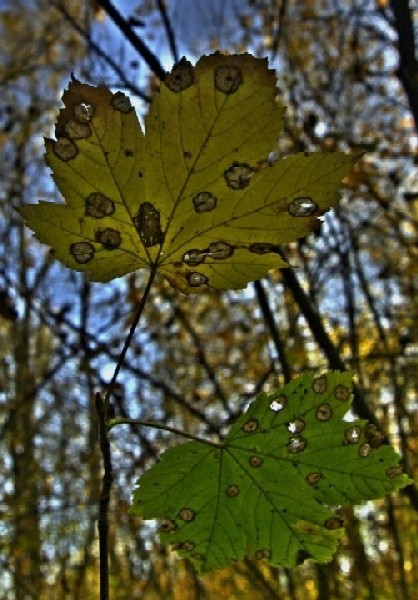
[[347, 70]]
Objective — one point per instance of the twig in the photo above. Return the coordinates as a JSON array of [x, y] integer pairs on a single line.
[[103, 522], [157, 425], [135, 322]]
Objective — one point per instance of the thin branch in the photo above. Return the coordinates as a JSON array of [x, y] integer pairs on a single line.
[[135, 322], [169, 30], [150, 58], [157, 425], [107, 481]]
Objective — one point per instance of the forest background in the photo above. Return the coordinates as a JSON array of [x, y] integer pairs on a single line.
[[347, 69]]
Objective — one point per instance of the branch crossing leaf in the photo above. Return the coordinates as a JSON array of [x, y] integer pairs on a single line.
[[268, 490], [196, 198]]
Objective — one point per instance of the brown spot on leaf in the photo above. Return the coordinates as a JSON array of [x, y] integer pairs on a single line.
[[303, 206], [238, 175], [374, 436], [76, 130], [334, 523], [82, 252], [296, 444], [187, 514], [232, 491], [83, 112], [393, 472], [364, 450], [313, 478], [296, 426], [65, 149], [194, 256], [167, 525], [98, 206], [227, 79], [320, 384], [263, 553], [147, 224], [255, 461], [121, 102], [279, 403], [181, 76], [109, 238], [262, 248], [341, 392], [323, 412], [196, 279], [204, 202], [220, 250], [250, 425], [352, 435]]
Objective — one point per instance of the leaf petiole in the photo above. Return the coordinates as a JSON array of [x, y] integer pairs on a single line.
[[157, 425]]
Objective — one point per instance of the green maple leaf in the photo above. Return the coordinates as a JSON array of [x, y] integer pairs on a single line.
[[268, 490], [196, 198]]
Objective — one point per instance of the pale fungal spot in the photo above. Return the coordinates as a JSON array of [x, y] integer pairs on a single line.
[[82, 252], [188, 546], [83, 113], [99, 206], [76, 130], [262, 248], [262, 553], [320, 384], [196, 279], [303, 206], [296, 444], [313, 478], [194, 256], [238, 175], [296, 426], [255, 461], [65, 149], [334, 523], [181, 76], [204, 202], [374, 436], [228, 79], [109, 238], [393, 472], [250, 425], [232, 491], [364, 450], [187, 514], [147, 224], [352, 435], [121, 102], [279, 403], [342, 392], [167, 525], [220, 250], [324, 412]]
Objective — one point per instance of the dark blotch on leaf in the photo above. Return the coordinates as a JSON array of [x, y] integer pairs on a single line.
[[121, 102], [147, 224], [109, 238], [82, 252], [334, 523], [238, 175], [98, 206], [204, 202], [227, 78], [263, 248]]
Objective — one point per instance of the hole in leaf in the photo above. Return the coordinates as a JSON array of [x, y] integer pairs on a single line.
[[147, 224], [262, 248], [194, 256], [220, 250], [250, 426], [204, 202], [296, 426], [76, 130], [341, 392], [109, 238], [313, 478], [232, 491], [279, 403], [238, 175], [82, 252], [364, 450], [228, 79], [121, 102], [324, 412], [83, 112], [320, 384], [255, 461], [99, 206], [187, 514], [195, 279], [181, 76], [303, 206], [65, 149], [296, 444], [353, 434]]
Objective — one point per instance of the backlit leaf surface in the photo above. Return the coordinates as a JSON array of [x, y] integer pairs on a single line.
[[196, 198], [268, 491]]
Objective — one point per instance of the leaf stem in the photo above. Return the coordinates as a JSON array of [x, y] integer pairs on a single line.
[[128, 340], [157, 425]]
